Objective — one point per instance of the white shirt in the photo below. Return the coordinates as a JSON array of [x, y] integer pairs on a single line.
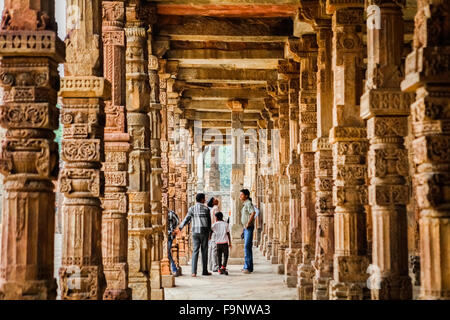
[[220, 229]]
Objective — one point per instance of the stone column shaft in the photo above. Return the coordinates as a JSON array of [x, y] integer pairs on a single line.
[[427, 74], [237, 177], [323, 163], [349, 142], [295, 242], [308, 132], [139, 168], [84, 91], [156, 169], [117, 146], [386, 109], [29, 157]]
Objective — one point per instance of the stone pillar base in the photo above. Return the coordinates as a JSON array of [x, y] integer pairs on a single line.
[[236, 261], [399, 288], [273, 259], [30, 290], [321, 287], [290, 281], [280, 268], [157, 294], [305, 281], [168, 281], [140, 286], [111, 294], [237, 250], [348, 291]]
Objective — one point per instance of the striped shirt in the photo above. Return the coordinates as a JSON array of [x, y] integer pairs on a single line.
[[201, 219]]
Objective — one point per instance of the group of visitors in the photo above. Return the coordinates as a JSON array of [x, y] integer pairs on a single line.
[[211, 234]]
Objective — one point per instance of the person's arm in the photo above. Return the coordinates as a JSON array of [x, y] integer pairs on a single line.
[[252, 216], [186, 220]]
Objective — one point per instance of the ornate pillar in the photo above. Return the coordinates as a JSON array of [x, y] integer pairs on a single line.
[[294, 251], [349, 143], [237, 177], [168, 280], [214, 173], [117, 146], [157, 291], [286, 69], [323, 164], [427, 74], [30, 52], [84, 91], [138, 100], [275, 183], [308, 132], [386, 110], [183, 182]]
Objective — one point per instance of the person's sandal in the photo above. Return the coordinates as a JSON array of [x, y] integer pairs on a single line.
[[194, 275], [245, 271]]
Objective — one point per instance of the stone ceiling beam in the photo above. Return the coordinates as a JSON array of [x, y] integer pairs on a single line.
[[224, 94], [263, 64], [219, 105], [227, 124], [283, 8], [213, 26], [229, 76], [217, 116]]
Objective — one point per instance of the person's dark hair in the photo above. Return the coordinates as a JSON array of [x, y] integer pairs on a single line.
[[246, 193], [219, 216], [211, 202], [200, 197]]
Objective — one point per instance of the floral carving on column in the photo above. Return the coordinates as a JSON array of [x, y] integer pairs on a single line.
[[427, 75], [386, 110], [294, 250], [155, 162], [139, 167], [286, 70], [349, 143], [30, 52], [81, 180], [308, 132], [323, 164], [117, 146]]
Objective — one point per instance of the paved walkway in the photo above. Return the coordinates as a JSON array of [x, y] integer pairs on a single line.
[[263, 284]]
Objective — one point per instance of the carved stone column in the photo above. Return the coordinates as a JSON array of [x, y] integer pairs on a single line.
[[286, 69], [237, 177], [30, 52], [386, 110], [157, 291], [323, 164], [275, 184], [168, 280], [214, 173], [138, 101], [427, 74], [295, 241], [117, 146], [349, 142], [185, 252], [308, 132], [83, 90]]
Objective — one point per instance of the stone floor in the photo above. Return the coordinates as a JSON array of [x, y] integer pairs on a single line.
[[263, 284]]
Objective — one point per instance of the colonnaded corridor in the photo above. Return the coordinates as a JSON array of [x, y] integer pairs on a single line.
[[334, 114]]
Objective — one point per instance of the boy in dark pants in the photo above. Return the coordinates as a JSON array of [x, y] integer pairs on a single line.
[[223, 241]]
